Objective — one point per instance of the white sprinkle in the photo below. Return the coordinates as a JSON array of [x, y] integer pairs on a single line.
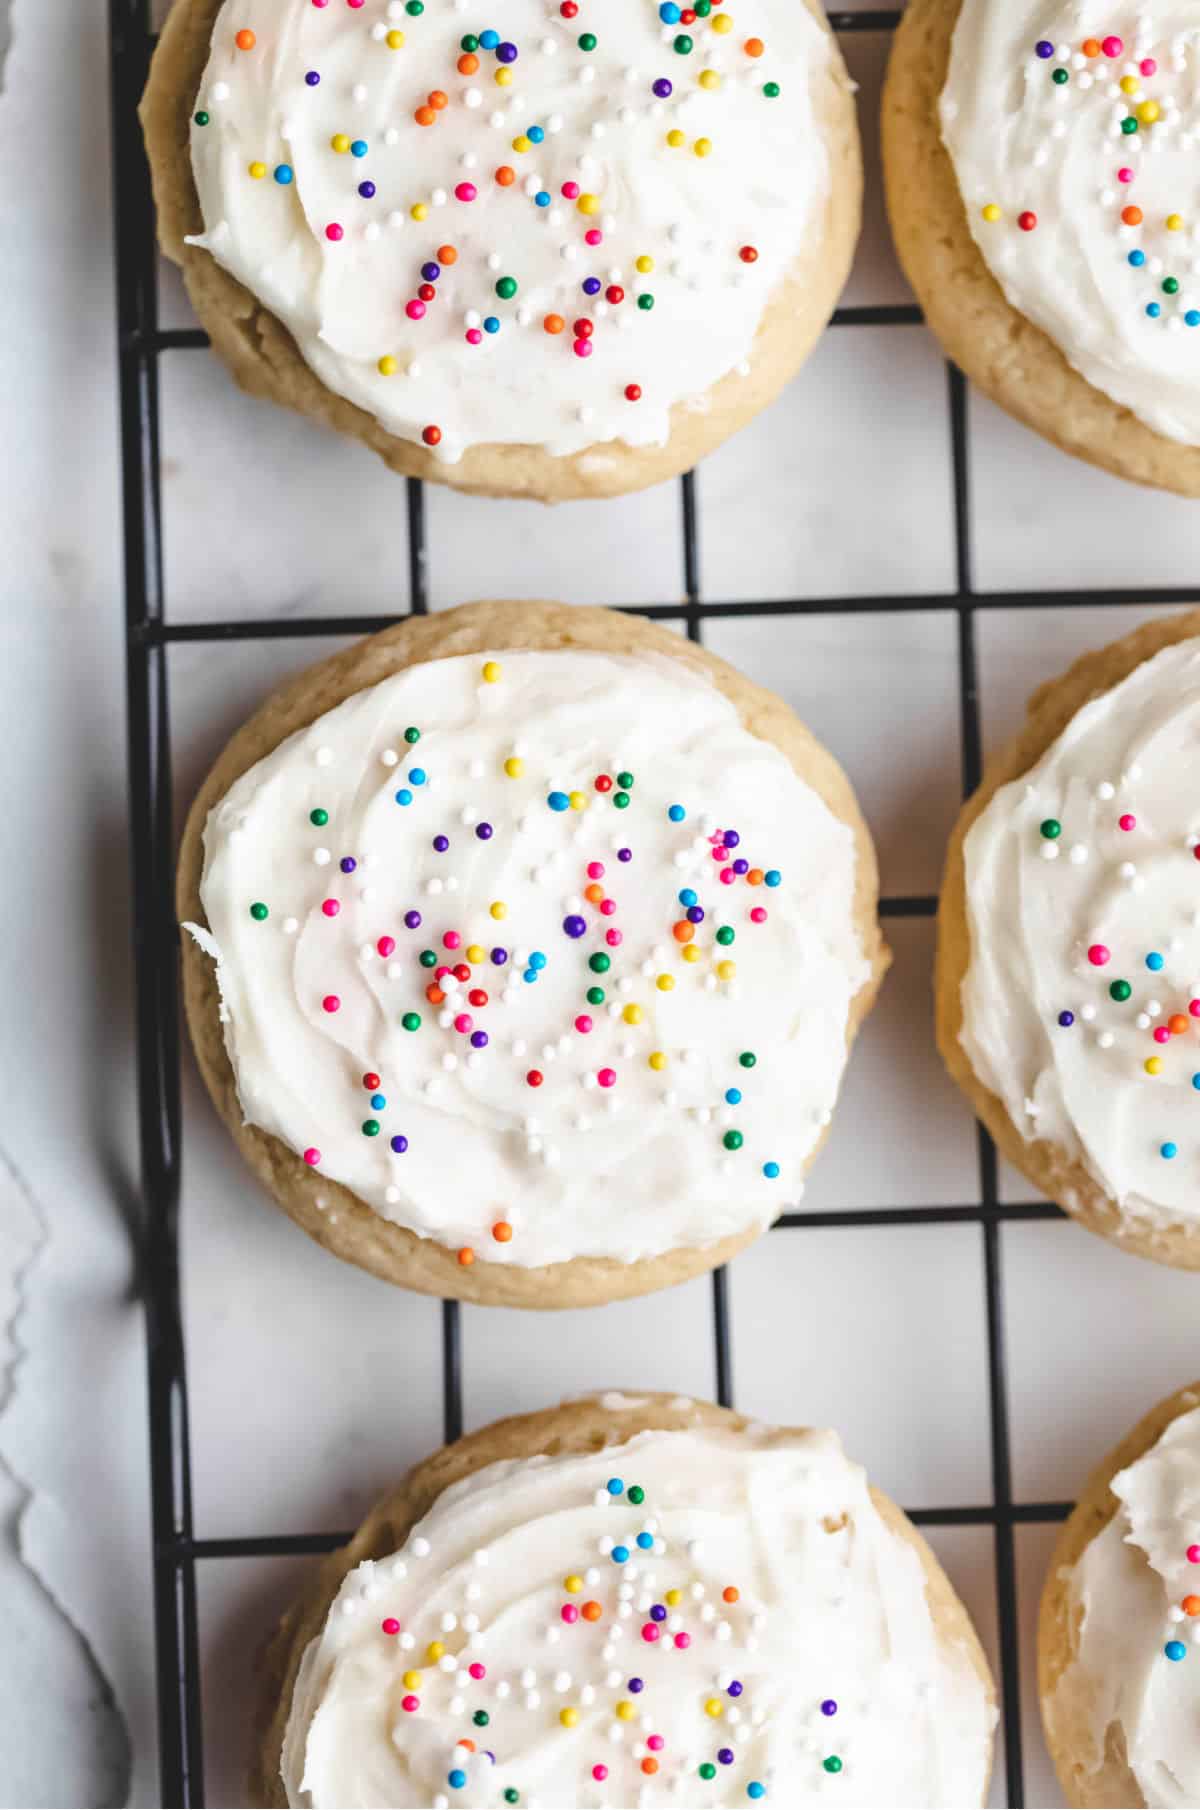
[[322, 857]]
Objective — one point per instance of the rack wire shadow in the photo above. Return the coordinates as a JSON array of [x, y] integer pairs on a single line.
[[149, 633]]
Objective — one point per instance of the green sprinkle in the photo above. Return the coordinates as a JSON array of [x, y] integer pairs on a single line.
[[412, 736], [470, 42], [625, 781], [1120, 991], [599, 963], [708, 1770], [595, 996], [1170, 285], [511, 1795], [747, 1058], [587, 40], [702, 8], [1129, 126], [201, 118], [428, 958], [683, 44], [833, 1764], [415, 8], [319, 817], [645, 303], [1059, 77], [637, 1494], [411, 1021], [481, 1718], [771, 90], [621, 800], [506, 288], [733, 1140], [725, 936], [1051, 829], [258, 912], [370, 1128]]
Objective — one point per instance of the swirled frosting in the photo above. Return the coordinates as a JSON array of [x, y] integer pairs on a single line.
[[700, 1617], [596, 202], [1136, 1655], [1081, 1001], [1073, 131], [545, 955]]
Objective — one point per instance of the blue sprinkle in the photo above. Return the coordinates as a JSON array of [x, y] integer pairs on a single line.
[[645, 1541], [669, 13], [616, 1486], [535, 134], [772, 876], [283, 173], [1196, 1082], [359, 148], [404, 796], [755, 1790], [771, 1171], [733, 1096], [558, 801], [489, 39], [1176, 1650], [620, 1554], [542, 198], [491, 324], [417, 776], [687, 896], [378, 1102], [1153, 310], [537, 959], [1192, 317], [530, 975], [676, 813], [457, 1778], [1169, 1150], [1154, 961], [1137, 259]]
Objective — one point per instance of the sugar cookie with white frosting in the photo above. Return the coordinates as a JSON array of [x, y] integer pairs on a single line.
[[629, 1600], [1041, 177], [1068, 974], [526, 945], [1118, 1636], [561, 259]]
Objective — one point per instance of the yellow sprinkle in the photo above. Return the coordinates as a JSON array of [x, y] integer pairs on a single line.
[[503, 78], [475, 954], [579, 801], [412, 1681], [339, 142], [714, 1707], [435, 1651], [645, 265], [726, 970], [588, 204], [632, 1014], [709, 79], [258, 171], [387, 366], [673, 1598], [521, 143], [722, 23], [702, 147], [491, 671], [690, 952], [568, 1717], [991, 213], [1129, 84], [514, 766], [665, 982], [625, 1710], [498, 908], [573, 1583], [657, 1060], [1148, 112], [395, 40], [419, 211], [676, 138], [1154, 1065], [1174, 223]]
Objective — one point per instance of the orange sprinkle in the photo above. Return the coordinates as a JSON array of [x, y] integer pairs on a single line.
[[755, 877], [467, 64], [753, 47], [466, 1256], [245, 40], [446, 254], [594, 893], [506, 176], [554, 323], [593, 1611], [438, 99], [424, 116], [1132, 216], [1177, 1024], [434, 995], [649, 1764], [730, 1594], [502, 1231], [468, 1744], [1090, 47], [683, 932], [1191, 1605]]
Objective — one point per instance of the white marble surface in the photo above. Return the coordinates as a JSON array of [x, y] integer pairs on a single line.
[[311, 1384]]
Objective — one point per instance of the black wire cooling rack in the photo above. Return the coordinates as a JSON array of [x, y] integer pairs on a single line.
[[148, 634]]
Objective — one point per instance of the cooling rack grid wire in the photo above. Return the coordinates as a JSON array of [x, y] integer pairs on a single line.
[[177, 1552]]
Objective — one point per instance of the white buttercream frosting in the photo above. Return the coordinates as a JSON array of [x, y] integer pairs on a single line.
[[677, 1105], [1137, 1646], [755, 1580], [1067, 923], [1043, 137], [590, 133]]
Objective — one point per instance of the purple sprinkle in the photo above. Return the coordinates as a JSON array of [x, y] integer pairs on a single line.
[[506, 53], [829, 1707], [695, 914], [312, 78], [734, 1687], [658, 1612], [399, 1144], [662, 87], [636, 1685], [347, 864], [499, 957], [484, 831], [741, 867], [431, 272], [413, 920], [491, 1756], [479, 1040], [591, 285], [366, 190], [575, 926], [731, 838], [1044, 49], [725, 1755], [441, 844], [624, 854], [1066, 1019]]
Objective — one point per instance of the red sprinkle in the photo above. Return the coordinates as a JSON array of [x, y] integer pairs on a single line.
[[1027, 221], [535, 1077], [633, 392]]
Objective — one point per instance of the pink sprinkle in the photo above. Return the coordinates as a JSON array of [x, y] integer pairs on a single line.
[[655, 1743], [727, 876], [718, 839], [1125, 175], [415, 310], [312, 1156], [464, 1022], [477, 1671], [452, 939], [600, 1773], [1127, 822], [608, 1078], [331, 1002], [682, 1641], [465, 191], [1098, 955], [1112, 47], [1148, 66], [650, 1631], [334, 232], [593, 235], [613, 938], [390, 1625], [582, 348], [473, 336], [441, 971], [386, 944], [569, 1612], [330, 907], [354, 3], [571, 190], [718, 849], [595, 870], [1193, 1555], [758, 915], [1194, 1007], [320, 2], [410, 1704], [583, 1023], [1162, 1034], [607, 907]]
